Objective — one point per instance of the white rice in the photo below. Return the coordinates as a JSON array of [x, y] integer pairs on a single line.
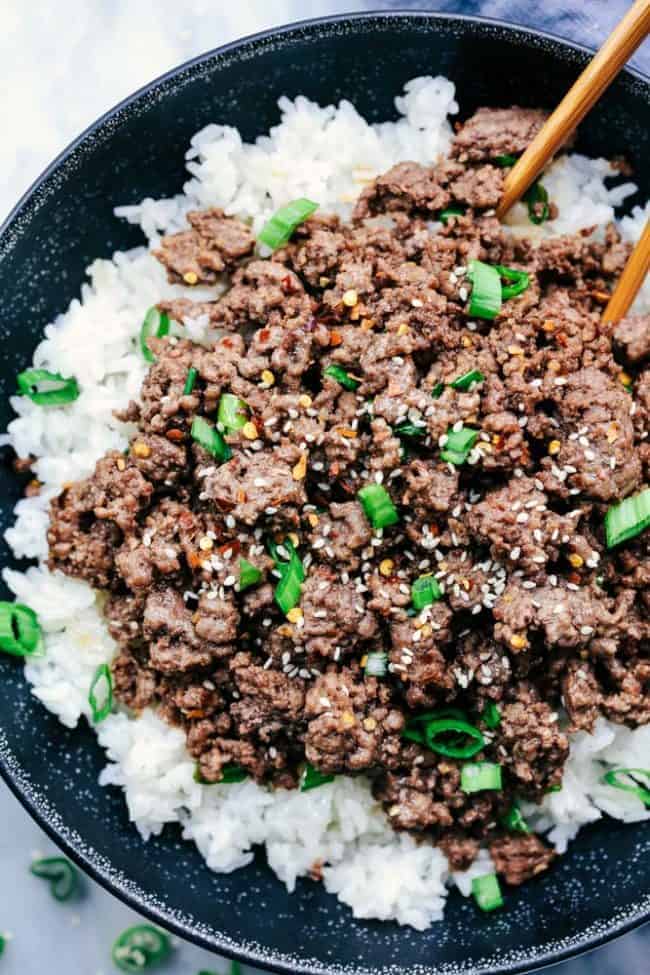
[[327, 154]]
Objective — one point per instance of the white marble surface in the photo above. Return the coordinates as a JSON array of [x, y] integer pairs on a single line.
[[64, 62]]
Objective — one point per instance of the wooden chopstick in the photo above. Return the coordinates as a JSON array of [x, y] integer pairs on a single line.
[[631, 279], [597, 76]]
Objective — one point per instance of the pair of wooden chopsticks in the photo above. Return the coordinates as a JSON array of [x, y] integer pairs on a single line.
[[591, 84]]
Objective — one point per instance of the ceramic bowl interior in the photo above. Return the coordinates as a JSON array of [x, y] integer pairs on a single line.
[[600, 888]]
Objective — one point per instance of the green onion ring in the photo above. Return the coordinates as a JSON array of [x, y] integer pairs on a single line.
[[64, 391], [20, 631]]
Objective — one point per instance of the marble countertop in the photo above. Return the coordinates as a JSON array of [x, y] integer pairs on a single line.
[[64, 62]]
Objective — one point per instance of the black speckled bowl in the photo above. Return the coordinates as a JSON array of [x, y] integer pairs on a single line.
[[601, 888]]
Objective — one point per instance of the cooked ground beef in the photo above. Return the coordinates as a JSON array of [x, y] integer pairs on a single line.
[[345, 346]]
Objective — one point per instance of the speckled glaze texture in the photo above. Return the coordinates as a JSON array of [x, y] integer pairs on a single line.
[[601, 887]]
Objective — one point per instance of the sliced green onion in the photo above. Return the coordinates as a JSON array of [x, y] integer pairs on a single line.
[[453, 737], [487, 892], [230, 774], [100, 695], [311, 778], [504, 161], [514, 821], [341, 377], [58, 390], [140, 948], [520, 281], [491, 715], [453, 211], [629, 784], [20, 632], [425, 590], [480, 776], [627, 519], [288, 590], [414, 729], [536, 199], [62, 876], [155, 325], [438, 390], [459, 445], [210, 439], [406, 429], [376, 664], [279, 228], [190, 382], [233, 413], [485, 300], [378, 506], [447, 732], [249, 574], [464, 382]]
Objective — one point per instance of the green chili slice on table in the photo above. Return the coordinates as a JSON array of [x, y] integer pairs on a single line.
[[140, 948], [62, 876]]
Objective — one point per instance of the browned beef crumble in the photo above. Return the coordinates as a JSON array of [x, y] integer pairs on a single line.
[[537, 617]]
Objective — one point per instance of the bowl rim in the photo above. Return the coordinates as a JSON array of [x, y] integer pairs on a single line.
[[130, 894]]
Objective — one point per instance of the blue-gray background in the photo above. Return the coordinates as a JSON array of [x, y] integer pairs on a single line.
[[62, 63]]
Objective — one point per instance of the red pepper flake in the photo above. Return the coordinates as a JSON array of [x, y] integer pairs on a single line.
[[234, 546], [335, 338], [497, 441], [288, 285], [175, 435]]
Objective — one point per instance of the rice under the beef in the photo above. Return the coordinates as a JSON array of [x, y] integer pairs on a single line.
[[392, 293]]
